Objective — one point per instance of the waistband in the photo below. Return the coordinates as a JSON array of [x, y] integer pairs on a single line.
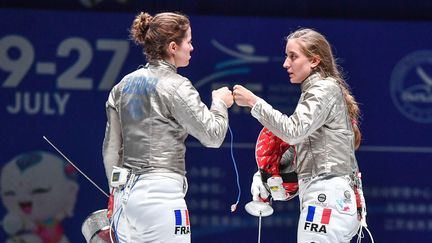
[[353, 179], [156, 175]]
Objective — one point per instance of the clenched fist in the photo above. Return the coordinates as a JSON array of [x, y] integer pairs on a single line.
[[243, 96], [225, 95]]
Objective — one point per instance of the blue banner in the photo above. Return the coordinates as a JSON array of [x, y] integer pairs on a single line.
[[56, 69]]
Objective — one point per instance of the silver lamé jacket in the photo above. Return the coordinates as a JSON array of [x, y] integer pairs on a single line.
[[150, 113], [320, 128]]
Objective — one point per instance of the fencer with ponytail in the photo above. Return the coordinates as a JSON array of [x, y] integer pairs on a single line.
[[315, 44]]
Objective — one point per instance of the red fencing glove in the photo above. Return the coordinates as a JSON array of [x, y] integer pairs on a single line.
[[276, 163]]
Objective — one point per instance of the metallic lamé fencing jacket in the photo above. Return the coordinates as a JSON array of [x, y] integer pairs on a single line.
[[150, 114], [320, 128]]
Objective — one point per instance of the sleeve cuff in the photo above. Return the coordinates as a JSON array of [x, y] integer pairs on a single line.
[[219, 102], [258, 107]]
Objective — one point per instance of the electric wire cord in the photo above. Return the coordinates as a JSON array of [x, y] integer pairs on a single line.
[[114, 229], [360, 234], [120, 210], [234, 206]]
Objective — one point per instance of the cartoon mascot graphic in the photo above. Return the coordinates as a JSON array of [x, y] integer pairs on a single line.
[[38, 191]]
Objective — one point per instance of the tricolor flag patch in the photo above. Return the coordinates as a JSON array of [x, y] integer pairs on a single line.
[[181, 222], [181, 217], [318, 215]]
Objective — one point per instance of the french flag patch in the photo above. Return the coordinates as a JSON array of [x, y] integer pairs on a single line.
[[181, 217], [318, 215]]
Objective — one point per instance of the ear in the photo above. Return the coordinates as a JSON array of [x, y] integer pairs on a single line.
[[172, 48], [315, 61]]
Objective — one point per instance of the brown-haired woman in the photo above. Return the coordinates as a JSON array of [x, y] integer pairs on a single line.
[[150, 114], [324, 130]]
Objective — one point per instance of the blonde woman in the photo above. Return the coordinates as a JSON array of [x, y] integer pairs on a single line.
[[324, 129]]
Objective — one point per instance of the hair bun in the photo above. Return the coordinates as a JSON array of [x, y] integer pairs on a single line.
[[144, 19], [140, 26]]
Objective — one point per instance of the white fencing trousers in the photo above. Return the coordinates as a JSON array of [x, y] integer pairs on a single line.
[[328, 211], [151, 208]]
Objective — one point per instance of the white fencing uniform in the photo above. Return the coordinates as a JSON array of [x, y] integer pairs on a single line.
[[328, 211], [151, 209], [322, 132]]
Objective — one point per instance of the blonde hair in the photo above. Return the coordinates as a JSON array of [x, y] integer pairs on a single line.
[[315, 44], [155, 33]]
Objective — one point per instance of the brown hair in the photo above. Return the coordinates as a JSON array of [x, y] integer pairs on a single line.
[[315, 44], [155, 33]]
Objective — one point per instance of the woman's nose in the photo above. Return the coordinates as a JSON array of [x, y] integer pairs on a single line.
[[286, 64]]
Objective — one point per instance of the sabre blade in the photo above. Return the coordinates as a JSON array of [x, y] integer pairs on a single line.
[[259, 229], [82, 173]]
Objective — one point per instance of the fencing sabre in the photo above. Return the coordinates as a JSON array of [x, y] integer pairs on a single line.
[[82, 173]]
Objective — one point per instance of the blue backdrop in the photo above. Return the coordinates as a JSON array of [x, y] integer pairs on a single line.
[[56, 69]]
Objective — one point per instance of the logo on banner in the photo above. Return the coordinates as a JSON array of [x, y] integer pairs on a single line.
[[242, 59], [411, 86], [317, 218], [243, 54], [182, 225], [238, 63]]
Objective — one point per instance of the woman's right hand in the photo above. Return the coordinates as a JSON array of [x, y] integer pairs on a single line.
[[225, 95], [243, 96]]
